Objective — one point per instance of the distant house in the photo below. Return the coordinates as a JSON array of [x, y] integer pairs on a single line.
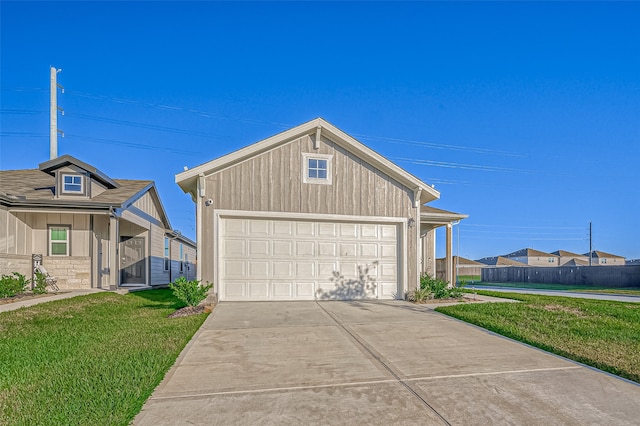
[[567, 258], [632, 262], [533, 257], [462, 267], [91, 230], [600, 258], [500, 261]]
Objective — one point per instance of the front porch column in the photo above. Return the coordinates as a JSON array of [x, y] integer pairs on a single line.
[[449, 278]]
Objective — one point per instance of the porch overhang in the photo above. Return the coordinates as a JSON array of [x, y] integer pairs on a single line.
[[432, 218]]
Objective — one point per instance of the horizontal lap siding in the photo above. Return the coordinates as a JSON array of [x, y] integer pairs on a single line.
[[272, 181]]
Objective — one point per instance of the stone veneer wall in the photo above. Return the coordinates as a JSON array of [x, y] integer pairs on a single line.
[[72, 272], [10, 263]]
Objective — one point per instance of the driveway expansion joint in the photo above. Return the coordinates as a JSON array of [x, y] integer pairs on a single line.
[[382, 362]]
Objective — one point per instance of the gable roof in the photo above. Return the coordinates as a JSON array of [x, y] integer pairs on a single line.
[[528, 252], [565, 253], [66, 160], [500, 261], [598, 253], [187, 180], [576, 262]]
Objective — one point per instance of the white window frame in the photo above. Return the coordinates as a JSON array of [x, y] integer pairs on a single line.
[[72, 175], [306, 156], [67, 242]]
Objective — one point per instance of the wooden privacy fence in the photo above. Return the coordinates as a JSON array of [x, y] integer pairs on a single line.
[[601, 276]]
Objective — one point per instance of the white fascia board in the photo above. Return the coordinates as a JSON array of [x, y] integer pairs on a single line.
[[187, 179]]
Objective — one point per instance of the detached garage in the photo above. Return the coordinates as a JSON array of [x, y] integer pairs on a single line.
[[309, 214]]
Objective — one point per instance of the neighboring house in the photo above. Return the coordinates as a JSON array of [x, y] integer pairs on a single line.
[[600, 258], [92, 231], [500, 261], [567, 258], [462, 267], [311, 213], [533, 257], [632, 262]]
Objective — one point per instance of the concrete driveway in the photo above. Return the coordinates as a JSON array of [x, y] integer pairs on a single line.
[[374, 363]]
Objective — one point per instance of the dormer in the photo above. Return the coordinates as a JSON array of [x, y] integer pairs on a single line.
[[76, 179]]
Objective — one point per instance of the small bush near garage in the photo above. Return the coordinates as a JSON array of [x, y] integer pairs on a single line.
[[39, 283], [432, 288], [191, 293], [10, 285]]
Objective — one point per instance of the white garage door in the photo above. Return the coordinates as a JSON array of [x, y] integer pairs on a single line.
[[264, 259]]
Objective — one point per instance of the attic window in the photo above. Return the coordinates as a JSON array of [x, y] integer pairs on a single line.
[[317, 168], [72, 184]]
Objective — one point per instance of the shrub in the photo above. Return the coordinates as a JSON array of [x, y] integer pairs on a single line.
[[190, 292], [10, 285], [432, 288], [437, 287], [420, 295], [40, 283]]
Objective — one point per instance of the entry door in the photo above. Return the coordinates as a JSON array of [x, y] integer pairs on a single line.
[[133, 260]]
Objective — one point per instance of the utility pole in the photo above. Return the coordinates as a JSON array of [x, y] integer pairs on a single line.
[[590, 242], [53, 113]]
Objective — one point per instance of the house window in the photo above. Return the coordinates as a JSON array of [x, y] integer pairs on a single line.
[[166, 253], [59, 240], [72, 184], [317, 168], [181, 259]]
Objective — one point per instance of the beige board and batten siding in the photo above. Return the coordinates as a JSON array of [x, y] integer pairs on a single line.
[[272, 182]]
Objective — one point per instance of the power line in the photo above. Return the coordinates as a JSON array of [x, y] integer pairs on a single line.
[[461, 165]]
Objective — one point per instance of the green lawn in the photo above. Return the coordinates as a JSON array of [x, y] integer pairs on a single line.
[[600, 333], [89, 360]]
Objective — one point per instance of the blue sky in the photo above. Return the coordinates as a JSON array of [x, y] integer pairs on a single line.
[[526, 116]]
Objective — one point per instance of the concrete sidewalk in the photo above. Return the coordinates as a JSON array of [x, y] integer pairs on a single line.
[[49, 298], [562, 293], [374, 363]]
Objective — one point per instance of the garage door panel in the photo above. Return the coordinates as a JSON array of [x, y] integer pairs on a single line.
[[258, 248], [234, 290], [233, 247], [234, 227], [305, 290], [259, 228], [306, 269], [235, 268], [282, 228], [305, 229], [305, 248], [370, 231], [348, 230], [327, 230], [277, 259], [282, 290], [283, 248], [283, 269], [369, 250], [258, 269], [258, 290], [348, 249], [387, 290]]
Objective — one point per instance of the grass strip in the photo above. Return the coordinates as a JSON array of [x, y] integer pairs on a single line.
[[600, 333], [89, 360]]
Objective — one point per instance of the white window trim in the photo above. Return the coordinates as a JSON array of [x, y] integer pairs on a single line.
[[68, 228], [64, 191], [306, 156]]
